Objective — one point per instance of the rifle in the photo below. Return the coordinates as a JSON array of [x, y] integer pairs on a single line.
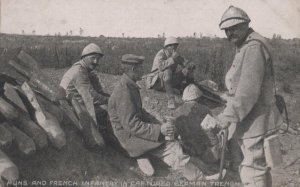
[[224, 145], [179, 60], [210, 94]]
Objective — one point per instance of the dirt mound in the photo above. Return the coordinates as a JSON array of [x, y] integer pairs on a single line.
[[75, 163]]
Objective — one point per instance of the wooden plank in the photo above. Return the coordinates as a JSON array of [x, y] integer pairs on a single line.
[[45, 120], [42, 84], [18, 117], [7, 110], [20, 69], [12, 95], [28, 60], [5, 137], [91, 136], [64, 106], [25, 144], [8, 170]]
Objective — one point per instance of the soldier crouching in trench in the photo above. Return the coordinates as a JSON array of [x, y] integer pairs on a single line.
[[138, 137], [81, 83], [170, 71], [188, 117]]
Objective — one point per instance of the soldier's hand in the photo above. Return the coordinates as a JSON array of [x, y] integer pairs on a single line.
[[175, 55], [185, 71], [61, 94], [167, 129], [224, 97], [223, 124]]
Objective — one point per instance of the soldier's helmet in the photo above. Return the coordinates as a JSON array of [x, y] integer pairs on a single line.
[[170, 41], [233, 16], [91, 49], [191, 92]]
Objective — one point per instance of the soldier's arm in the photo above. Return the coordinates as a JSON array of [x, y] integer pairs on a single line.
[[96, 90], [161, 62], [249, 86], [130, 119], [83, 85]]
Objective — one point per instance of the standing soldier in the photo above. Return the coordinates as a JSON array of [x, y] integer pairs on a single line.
[[250, 103], [171, 73], [139, 137], [81, 83]]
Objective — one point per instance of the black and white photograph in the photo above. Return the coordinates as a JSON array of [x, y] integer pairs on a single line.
[[140, 93]]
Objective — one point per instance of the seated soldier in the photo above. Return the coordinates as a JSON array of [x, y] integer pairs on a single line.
[[81, 82], [170, 71], [138, 137], [188, 118]]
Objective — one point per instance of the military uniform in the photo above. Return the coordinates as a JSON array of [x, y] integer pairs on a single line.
[[251, 105], [188, 118], [138, 137], [85, 87], [169, 72]]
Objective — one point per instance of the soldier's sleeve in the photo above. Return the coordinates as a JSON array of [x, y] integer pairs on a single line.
[[249, 86], [96, 90], [67, 78], [95, 82], [130, 119], [83, 85], [161, 63]]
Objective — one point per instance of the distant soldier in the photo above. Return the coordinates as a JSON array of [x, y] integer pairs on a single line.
[[82, 83], [250, 104], [139, 137], [170, 72]]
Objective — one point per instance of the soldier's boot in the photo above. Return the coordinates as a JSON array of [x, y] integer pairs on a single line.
[[145, 166], [192, 172], [170, 92]]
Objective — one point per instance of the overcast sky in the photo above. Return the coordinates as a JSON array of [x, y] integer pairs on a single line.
[[145, 18]]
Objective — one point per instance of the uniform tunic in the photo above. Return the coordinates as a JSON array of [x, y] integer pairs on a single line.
[[126, 117], [84, 85], [249, 82], [251, 105]]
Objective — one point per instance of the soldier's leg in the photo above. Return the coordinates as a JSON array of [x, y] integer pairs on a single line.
[[179, 81], [235, 154], [171, 92], [253, 170], [171, 153], [167, 80], [101, 115], [106, 129]]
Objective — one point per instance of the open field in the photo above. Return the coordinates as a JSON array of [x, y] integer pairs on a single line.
[[212, 56]]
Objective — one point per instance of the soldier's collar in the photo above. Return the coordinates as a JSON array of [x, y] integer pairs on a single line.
[[130, 81], [250, 30]]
